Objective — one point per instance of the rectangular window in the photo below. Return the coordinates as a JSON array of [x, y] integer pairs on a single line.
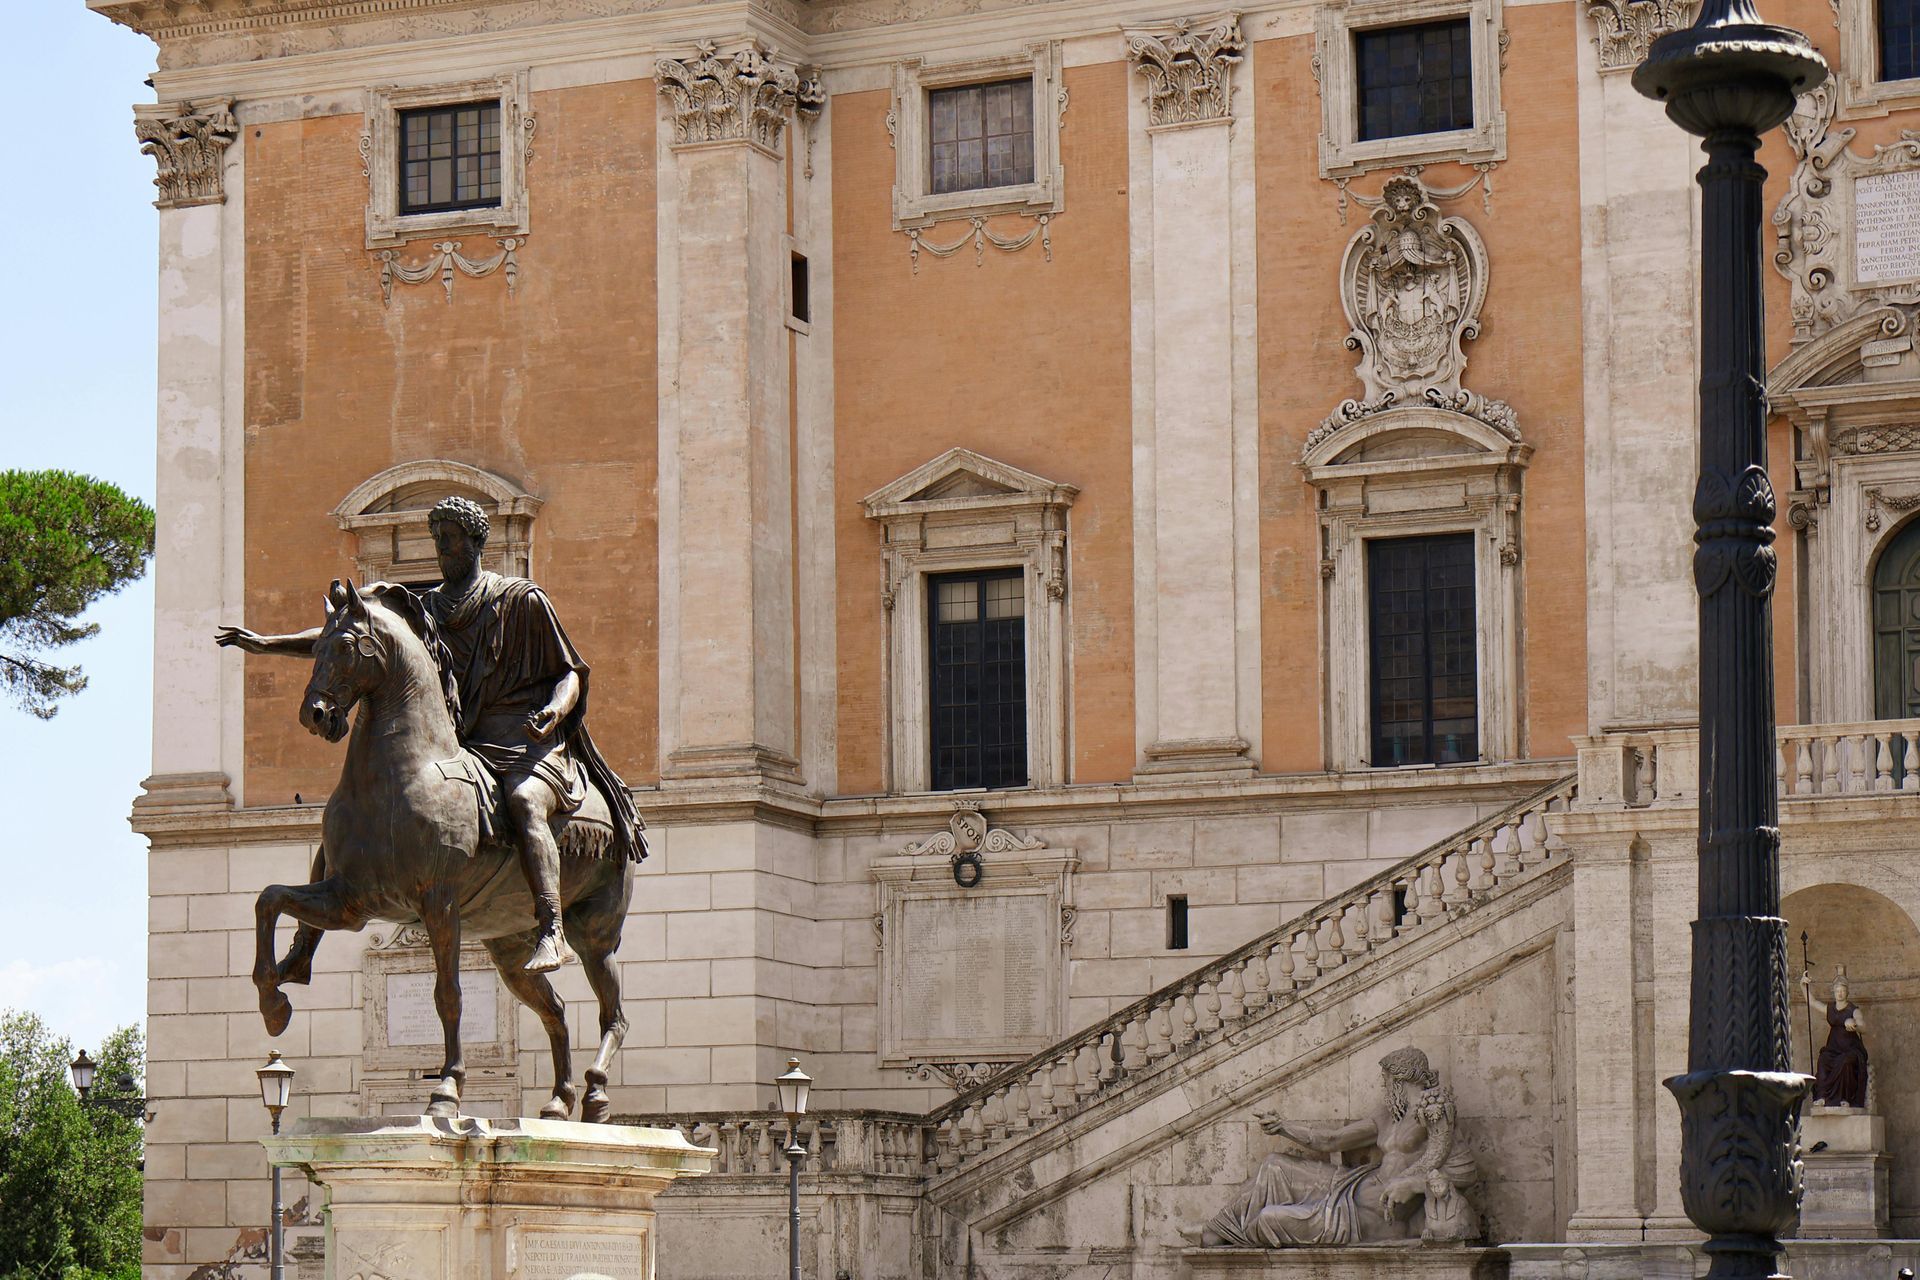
[[1417, 79], [1176, 922], [450, 158], [978, 641], [802, 304], [1899, 39], [1422, 650], [980, 135]]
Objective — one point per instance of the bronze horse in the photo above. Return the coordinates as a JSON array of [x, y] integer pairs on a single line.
[[403, 839]]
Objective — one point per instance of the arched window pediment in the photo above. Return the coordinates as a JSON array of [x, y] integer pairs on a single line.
[[1414, 438], [387, 516]]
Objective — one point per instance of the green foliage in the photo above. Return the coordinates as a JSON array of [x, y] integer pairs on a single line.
[[65, 541], [69, 1172]]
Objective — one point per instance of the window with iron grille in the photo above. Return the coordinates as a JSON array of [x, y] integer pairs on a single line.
[[450, 158], [978, 645], [980, 135], [1899, 39], [1417, 79], [1422, 650]]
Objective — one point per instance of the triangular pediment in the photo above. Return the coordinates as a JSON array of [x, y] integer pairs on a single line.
[[961, 477]]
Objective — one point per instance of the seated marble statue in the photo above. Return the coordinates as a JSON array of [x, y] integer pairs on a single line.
[[1840, 1074], [1413, 1191]]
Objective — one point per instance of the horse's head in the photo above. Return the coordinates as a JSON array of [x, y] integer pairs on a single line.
[[349, 660]]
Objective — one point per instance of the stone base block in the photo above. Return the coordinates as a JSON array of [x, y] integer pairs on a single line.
[[1805, 1260], [1847, 1172], [1353, 1262], [471, 1199]]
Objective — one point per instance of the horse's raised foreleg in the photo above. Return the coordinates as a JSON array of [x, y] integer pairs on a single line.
[[297, 968], [317, 906], [441, 916], [537, 993]]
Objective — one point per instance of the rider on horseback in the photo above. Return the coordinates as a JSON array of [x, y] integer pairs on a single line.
[[522, 688]]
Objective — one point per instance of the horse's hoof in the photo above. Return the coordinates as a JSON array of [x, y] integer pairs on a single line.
[[597, 1109], [557, 1108], [276, 1011], [443, 1108]]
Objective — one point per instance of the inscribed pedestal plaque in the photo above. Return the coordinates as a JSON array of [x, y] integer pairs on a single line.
[[1886, 227]]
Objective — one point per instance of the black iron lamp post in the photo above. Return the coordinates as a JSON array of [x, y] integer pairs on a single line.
[[125, 1100], [276, 1087], [793, 1087], [1728, 78]]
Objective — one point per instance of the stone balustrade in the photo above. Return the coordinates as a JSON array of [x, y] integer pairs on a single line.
[[1410, 898], [753, 1143], [1641, 769]]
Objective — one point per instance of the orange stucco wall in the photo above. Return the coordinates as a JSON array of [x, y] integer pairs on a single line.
[[553, 388], [1528, 354], [1021, 359]]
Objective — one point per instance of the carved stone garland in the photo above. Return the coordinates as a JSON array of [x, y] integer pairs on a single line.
[[447, 262], [1628, 28], [747, 95], [1412, 283], [188, 143], [1189, 73], [1813, 243]]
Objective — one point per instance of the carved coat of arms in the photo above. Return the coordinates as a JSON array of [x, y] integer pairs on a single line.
[[1412, 283]]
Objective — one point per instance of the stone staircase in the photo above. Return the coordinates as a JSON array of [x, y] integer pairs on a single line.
[[1424, 893]]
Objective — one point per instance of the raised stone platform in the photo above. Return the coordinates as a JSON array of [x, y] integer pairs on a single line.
[[471, 1199], [1805, 1260], [1847, 1174], [1351, 1262]]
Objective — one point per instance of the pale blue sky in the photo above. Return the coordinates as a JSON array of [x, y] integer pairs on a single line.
[[77, 363]]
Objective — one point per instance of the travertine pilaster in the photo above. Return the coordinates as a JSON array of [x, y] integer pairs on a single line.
[[727, 537], [1194, 412]]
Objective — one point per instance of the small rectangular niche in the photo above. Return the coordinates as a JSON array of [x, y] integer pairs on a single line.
[[1177, 937]]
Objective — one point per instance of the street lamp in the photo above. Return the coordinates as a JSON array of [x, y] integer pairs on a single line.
[[793, 1088], [1728, 78], [276, 1087], [83, 1069]]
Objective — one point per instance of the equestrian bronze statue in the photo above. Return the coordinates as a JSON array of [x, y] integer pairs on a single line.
[[472, 801]]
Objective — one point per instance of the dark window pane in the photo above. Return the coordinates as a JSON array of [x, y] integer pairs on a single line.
[[1424, 661], [1899, 39], [1417, 79], [977, 638], [1896, 627], [450, 158], [980, 135]]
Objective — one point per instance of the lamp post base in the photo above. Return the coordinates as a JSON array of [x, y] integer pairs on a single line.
[[473, 1199]]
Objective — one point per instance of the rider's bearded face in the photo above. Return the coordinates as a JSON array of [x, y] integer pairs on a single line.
[[455, 549]]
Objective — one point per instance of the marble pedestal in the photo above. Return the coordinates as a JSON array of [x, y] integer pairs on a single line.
[[413, 1198], [1846, 1179], [1350, 1262]]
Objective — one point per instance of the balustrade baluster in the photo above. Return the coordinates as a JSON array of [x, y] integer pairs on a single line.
[[1259, 995], [1047, 1073], [976, 1122], [1481, 882], [1159, 1031], [763, 1146], [1859, 765], [1829, 765], [1286, 964], [1233, 1006], [1536, 839], [1910, 768], [1189, 1015], [1433, 898], [1086, 1080], [1210, 1004], [1312, 953], [1362, 926], [1803, 767], [1336, 953], [1883, 762], [998, 1115], [1022, 1108]]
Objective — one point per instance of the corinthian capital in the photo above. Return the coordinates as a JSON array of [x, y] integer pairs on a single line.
[[747, 95], [1626, 29], [187, 141], [1189, 68]]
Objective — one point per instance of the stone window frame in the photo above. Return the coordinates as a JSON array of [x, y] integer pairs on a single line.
[[1342, 153], [914, 204], [387, 227], [1862, 91], [1006, 518], [1475, 489], [388, 512]]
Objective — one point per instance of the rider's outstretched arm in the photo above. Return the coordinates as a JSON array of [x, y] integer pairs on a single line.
[[297, 645]]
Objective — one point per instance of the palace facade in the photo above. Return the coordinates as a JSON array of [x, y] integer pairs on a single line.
[[1135, 559]]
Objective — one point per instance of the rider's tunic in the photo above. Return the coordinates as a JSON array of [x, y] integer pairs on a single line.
[[507, 649]]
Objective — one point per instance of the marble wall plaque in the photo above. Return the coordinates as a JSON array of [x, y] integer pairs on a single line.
[[580, 1255], [1886, 227], [976, 969], [412, 1019]]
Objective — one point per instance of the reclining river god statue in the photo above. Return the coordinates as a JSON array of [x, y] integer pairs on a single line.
[[1412, 1192]]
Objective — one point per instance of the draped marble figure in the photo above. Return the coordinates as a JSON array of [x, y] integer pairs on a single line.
[[1413, 1191], [1840, 1072]]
